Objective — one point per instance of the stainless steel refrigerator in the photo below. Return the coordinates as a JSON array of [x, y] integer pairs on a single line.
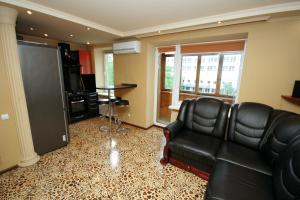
[[44, 91]]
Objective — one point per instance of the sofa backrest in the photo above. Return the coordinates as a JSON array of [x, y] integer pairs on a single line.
[[286, 173], [282, 133], [207, 116], [248, 123]]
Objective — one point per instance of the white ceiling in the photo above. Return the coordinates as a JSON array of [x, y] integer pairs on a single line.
[[111, 19], [129, 15]]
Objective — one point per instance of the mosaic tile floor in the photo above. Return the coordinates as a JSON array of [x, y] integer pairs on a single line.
[[94, 167]]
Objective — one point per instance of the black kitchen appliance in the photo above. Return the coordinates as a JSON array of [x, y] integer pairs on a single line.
[[72, 78], [89, 82], [81, 96], [74, 58], [77, 106]]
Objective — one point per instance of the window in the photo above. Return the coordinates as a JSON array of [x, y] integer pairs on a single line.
[[169, 72], [208, 74], [109, 69], [229, 78], [192, 70], [214, 74], [188, 73]]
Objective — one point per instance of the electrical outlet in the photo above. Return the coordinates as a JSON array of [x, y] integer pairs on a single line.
[[4, 116], [64, 137], [129, 115]]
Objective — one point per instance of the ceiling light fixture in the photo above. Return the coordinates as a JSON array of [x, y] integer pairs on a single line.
[[29, 12], [31, 28], [71, 35], [46, 35], [88, 42], [88, 28], [219, 22]]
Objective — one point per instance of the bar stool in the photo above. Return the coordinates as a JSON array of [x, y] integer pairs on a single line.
[[121, 103], [113, 101], [103, 102]]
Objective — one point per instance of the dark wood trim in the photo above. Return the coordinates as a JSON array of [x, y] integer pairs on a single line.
[[189, 168], [291, 99], [140, 127], [8, 169], [162, 71]]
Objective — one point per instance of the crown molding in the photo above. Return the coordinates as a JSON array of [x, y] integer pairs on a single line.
[[62, 15], [253, 12], [241, 14]]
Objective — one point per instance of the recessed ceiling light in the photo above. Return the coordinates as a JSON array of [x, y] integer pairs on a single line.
[[88, 42], [31, 28], [88, 28], [29, 12], [71, 35], [219, 22], [46, 35]]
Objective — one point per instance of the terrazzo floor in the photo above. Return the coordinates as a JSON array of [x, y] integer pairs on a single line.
[[94, 167]]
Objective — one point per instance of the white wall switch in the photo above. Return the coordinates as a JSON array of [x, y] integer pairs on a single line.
[[4, 116]]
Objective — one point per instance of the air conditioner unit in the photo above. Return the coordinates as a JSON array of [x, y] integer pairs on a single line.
[[127, 47]]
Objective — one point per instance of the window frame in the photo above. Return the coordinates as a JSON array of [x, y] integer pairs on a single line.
[[163, 70], [105, 67], [219, 74]]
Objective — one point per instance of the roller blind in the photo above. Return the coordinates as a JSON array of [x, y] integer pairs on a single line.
[[213, 47], [166, 49]]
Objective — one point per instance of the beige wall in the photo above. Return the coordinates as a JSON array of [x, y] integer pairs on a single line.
[[9, 147], [271, 64], [132, 68]]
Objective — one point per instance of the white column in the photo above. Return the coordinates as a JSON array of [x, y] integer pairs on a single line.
[[9, 60], [177, 74]]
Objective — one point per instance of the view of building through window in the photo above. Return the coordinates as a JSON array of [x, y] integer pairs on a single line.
[[218, 74], [208, 74], [230, 74], [109, 69], [169, 72], [188, 73]]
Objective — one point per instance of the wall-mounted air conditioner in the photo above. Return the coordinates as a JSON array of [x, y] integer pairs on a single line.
[[127, 47]]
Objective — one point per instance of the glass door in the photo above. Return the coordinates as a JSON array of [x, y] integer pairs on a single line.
[[165, 85]]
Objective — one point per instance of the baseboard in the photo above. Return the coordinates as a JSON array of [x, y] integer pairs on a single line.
[[8, 169], [138, 126]]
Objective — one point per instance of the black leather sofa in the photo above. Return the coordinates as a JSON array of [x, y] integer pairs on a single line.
[[256, 157]]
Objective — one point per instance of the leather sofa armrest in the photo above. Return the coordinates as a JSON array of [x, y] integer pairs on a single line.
[[173, 129], [170, 132]]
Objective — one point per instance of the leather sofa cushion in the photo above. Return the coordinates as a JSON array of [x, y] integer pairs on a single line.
[[243, 156], [195, 146], [282, 134], [286, 173], [248, 123], [207, 116], [233, 182]]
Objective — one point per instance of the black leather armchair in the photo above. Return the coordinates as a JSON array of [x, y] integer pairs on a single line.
[[193, 139]]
